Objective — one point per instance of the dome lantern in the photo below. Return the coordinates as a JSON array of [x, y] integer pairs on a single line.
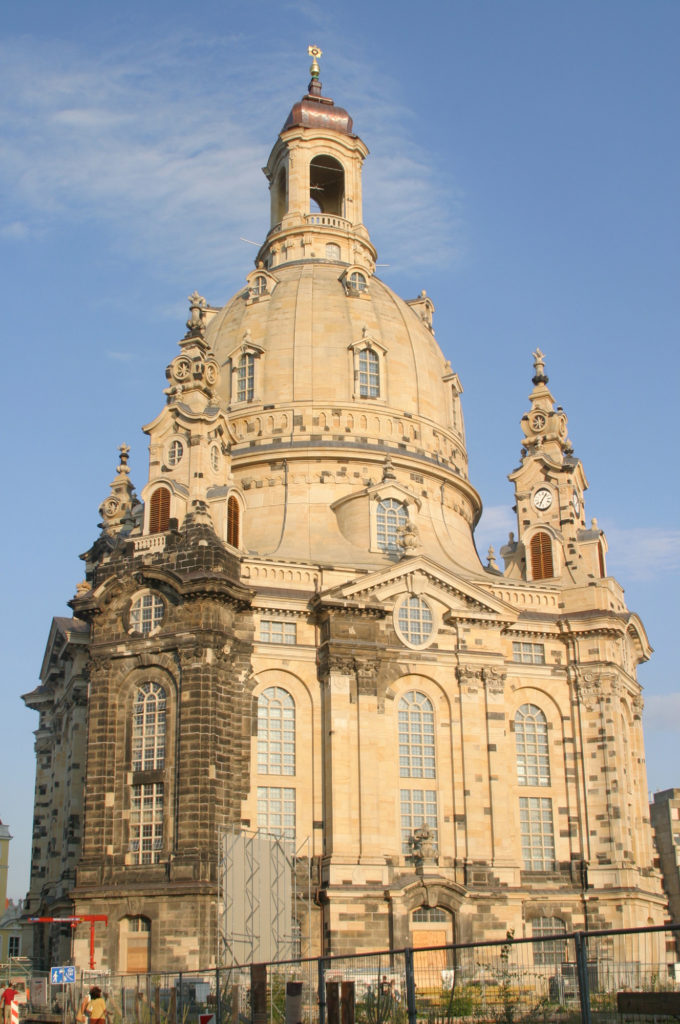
[[314, 174]]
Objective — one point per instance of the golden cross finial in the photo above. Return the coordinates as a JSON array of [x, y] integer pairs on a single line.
[[314, 52]]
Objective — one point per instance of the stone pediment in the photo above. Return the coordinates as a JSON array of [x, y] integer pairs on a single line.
[[460, 597]]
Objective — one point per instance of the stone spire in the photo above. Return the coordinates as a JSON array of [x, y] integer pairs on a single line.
[[544, 426], [117, 509]]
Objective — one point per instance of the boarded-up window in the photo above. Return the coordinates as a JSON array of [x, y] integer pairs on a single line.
[[135, 938], [159, 512], [541, 556], [233, 521]]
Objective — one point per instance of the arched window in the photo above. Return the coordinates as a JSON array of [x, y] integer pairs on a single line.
[[148, 729], [531, 740], [159, 510], [369, 374], [233, 521], [357, 281], [549, 953], [416, 736], [245, 378], [391, 514], [332, 251], [327, 185], [540, 550], [148, 755], [275, 732]]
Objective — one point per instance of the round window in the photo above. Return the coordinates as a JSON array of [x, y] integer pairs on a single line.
[[146, 613], [414, 621], [175, 452], [357, 281]]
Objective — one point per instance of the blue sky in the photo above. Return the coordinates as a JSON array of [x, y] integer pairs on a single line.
[[523, 169]]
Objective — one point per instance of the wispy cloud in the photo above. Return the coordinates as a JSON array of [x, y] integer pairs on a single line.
[[163, 150], [643, 553]]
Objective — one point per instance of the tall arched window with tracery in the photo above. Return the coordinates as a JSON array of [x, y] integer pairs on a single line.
[[159, 510], [147, 792], [418, 799], [390, 515], [533, 772], [276, 805], [416, 736], [275, 732], [531, 741]]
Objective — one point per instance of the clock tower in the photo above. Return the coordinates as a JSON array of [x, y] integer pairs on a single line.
[[553, 541]]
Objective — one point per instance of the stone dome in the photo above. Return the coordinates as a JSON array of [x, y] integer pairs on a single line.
[[331, 379], [307, 324]]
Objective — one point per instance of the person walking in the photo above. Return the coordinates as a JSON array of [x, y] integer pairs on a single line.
[[96, 1007], [8, 997]]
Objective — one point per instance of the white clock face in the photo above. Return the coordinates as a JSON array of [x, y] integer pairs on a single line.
[[543, 499]]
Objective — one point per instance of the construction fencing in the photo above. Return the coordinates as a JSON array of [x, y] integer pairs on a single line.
[[622, 976]]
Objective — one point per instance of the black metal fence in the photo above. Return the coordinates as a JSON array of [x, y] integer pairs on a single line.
[[596, 977]]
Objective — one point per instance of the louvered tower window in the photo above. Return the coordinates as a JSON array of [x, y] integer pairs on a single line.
[[159, 510], [233, 521], [540, 550]]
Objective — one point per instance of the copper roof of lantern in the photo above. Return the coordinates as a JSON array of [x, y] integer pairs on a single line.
[[317, 111]]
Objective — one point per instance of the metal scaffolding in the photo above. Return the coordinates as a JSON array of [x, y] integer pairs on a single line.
[[259, 885]]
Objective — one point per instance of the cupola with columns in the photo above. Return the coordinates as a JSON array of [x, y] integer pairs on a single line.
[[553, 542], [314, 174]]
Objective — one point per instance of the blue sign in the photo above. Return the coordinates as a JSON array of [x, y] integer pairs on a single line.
[[62, 975]]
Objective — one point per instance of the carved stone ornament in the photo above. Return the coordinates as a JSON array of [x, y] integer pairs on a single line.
[[638, 706], [408, 539], [468, 675], [181, 368], [422, 847], [342, 665], [589, 689], [494, 679]]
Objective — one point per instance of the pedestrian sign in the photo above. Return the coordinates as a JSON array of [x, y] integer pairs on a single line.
[[62, 975]]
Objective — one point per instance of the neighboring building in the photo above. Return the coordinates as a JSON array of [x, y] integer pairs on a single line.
[[61, 751], [10, 910], [5, 839], [292, 631], [665, 813], [11, 931]]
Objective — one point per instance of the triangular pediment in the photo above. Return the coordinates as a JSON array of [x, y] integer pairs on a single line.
[[460, 597]]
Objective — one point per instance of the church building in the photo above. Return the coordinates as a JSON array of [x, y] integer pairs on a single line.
[[289, 632]]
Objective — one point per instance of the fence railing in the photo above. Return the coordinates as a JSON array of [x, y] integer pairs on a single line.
[[601, 976]]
